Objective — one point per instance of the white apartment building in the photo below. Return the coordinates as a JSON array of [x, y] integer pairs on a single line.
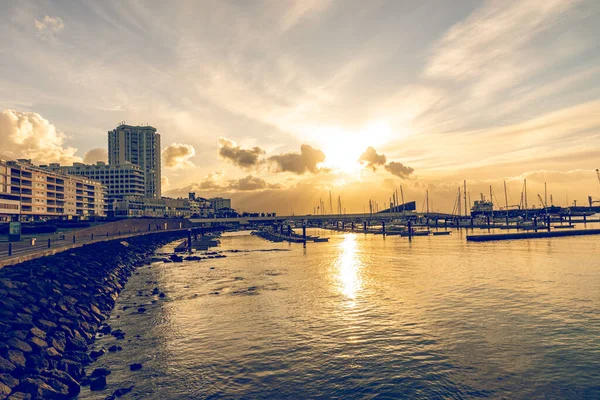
[[120, 180], [31, 193], [138, 145], [218, 203]]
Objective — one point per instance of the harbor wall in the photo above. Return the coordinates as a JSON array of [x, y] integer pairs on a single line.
[[52, 307]]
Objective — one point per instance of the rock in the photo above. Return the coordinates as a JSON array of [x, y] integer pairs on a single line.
[[118, 334], [36, 363], [114, 348], [16, 357], [64, 378], [20, 334], [79, 356], [73, 368], [58, 344], [19, 396], [59, 387], [161, 295], [122, 391], [46, 325], [175, 258], [37, 343], [94, 354], [105, 329], [6, 366], [100, 372], [76, 342], [19, 345], [38, 333], [9, 380], [135, 367], [4, 391], [53, 353], [98, 383], [37, 388]]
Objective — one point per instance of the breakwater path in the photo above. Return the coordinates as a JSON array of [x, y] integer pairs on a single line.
[[51, 309]]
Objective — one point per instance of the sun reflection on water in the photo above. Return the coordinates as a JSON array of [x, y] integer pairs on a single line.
[[349, 266]]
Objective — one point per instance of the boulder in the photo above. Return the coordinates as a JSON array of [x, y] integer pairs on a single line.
[[16, 357], [4, 391], [18, 344], [94, 354], [64, 378], [122, 391], [100, 372], [37, 388], [37, 343], [37, 332], [6, 366], [98, 383], [9, 380], [135, 367], [19, 396], [52, 353], [59, 344]]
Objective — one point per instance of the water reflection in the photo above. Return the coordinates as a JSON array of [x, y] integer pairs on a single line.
[[349, 265]]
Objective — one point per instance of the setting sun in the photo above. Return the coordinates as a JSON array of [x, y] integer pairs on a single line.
[[343, 149]]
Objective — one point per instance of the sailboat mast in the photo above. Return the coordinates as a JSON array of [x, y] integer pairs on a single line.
[[465, 194]]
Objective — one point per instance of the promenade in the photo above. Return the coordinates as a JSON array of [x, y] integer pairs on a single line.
[[48, 244]]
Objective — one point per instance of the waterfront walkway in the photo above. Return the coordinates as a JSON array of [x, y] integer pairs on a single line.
[[48, 244]]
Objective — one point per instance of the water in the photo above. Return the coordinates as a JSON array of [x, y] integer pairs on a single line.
[[366, 317]]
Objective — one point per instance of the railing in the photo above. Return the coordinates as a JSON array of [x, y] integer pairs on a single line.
[[57, 241]]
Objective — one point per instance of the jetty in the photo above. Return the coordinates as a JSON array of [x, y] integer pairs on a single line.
[[532, 235], [292, 237]]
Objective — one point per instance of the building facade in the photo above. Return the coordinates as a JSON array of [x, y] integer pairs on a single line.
[[138, 145], [218, 203], [28, 193], [134, 206], [120, 180]]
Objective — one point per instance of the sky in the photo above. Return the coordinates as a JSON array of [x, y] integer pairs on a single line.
[[278, 103]]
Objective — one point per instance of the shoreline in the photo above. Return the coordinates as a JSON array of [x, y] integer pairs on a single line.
[[51, 309]]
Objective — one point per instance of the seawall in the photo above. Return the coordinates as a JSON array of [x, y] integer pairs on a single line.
[[52, 307]]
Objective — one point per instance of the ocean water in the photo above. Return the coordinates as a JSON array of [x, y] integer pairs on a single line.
[[364, 316]]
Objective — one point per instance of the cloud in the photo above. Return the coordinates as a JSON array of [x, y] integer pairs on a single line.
[[177, 155], [164, 183], [243, 158], [399, 169], [97, 154], [251, 183], [307, 160], [49, 26], [214, 182], [210, 181], [29, 135], [490, 47], [371, 158]]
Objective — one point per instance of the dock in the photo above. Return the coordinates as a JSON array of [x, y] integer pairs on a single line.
[[292, 237], [532, 235]]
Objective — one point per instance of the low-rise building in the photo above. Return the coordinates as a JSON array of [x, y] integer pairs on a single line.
[[135, 206], [28, 192], [120, 180]]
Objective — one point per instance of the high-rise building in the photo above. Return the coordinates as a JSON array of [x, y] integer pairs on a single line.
[[138, 145]]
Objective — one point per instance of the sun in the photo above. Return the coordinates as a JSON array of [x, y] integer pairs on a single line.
[[342, 148]]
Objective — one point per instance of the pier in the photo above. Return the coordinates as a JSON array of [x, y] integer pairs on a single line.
[[532, 235]]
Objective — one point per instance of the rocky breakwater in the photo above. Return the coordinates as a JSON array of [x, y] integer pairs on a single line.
[[51, 309]]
